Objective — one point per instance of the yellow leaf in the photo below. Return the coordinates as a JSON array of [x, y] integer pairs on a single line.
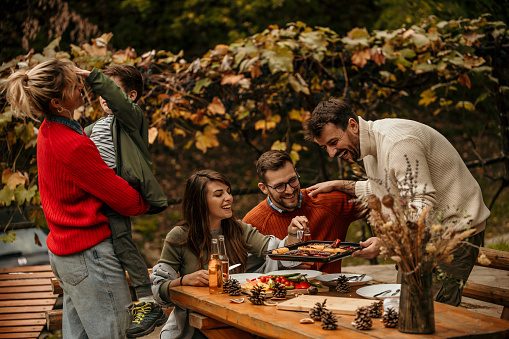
[[99, 46], [466, 105], [13, 179], [268, 124], [296, 114], [295, 156], [152, 135], [296, 147], [278, 145], [166, 138], [216, 106], [179, 131], [231, 79], [207, 139], [428, 96]]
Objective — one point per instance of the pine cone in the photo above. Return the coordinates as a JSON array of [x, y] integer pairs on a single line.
[[232, 287], [329, 320], [342, 284], [279, 291], [257, 296], [376, 309], [362, 320], [390, 318], [316, 312]]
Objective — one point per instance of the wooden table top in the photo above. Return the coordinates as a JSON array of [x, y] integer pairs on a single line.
[[267, 321]]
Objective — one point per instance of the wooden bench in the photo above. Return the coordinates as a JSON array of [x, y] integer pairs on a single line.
[[499, 296], [54, 317], [25, 295]]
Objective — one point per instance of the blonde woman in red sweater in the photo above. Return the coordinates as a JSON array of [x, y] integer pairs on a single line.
[[74, 184]]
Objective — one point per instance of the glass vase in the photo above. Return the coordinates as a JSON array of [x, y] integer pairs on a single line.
[[416, 314]]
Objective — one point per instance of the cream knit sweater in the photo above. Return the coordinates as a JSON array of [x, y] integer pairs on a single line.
[[442, 174]]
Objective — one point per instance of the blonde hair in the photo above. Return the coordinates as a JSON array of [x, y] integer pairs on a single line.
[[29, 92]]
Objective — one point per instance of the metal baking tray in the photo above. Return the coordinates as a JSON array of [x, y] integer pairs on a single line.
[[307, 258]]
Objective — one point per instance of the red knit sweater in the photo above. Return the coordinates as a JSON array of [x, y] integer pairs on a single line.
[[329, 216], [74, 184]]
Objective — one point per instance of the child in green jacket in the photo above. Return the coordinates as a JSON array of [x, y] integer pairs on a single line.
[[122, 140]]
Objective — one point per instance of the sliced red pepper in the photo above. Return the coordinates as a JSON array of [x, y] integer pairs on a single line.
[[336, 243]]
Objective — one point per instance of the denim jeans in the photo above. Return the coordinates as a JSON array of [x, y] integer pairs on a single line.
[[96, 294]]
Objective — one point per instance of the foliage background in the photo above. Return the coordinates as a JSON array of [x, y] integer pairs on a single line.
[[247, 80]]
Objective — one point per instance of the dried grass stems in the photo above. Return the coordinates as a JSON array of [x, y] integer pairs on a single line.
[[414, 235]]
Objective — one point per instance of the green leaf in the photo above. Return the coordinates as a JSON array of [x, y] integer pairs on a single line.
[[9, 64], [481, 98], [298, 84], [5, 118], [408, 53], [313, 40], [202, 83], [281, 60], [49, 51], [424, 67], [9, 237], [21, 194], [466, 105], [6, 195], [420, 40]]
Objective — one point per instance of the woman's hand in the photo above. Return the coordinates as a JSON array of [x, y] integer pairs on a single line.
[[198, 278], [371, 248]]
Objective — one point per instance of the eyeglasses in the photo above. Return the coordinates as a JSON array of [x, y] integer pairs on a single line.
[[280, 188]]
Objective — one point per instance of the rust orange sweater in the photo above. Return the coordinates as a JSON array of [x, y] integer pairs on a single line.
[[74, 184], [329, 216]]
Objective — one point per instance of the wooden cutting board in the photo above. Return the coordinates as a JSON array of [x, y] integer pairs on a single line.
[[335, 304], [268, 294]]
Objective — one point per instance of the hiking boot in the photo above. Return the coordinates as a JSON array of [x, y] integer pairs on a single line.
[[147, 315]]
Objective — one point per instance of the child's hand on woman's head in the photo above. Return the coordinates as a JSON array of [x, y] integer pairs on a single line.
[[83, 72], [198, 278]]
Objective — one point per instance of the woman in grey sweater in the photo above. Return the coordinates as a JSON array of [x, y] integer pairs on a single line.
[[207, 213]]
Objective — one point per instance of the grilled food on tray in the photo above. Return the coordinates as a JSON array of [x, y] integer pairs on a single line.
[[315, 249]]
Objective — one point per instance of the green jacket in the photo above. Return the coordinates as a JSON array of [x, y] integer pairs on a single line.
[[129, 129]]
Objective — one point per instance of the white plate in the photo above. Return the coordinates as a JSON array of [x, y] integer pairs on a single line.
[[330, 279], [241, 277], [369, 292], [309, 273]]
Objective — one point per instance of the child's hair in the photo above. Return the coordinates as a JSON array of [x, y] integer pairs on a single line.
[[29, 92], [129, 76]]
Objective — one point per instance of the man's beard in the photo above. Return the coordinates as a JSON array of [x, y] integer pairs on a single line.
[[283, 204], [354, 150]]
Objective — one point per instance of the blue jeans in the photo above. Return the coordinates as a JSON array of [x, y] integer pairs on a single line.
[[96, 294]]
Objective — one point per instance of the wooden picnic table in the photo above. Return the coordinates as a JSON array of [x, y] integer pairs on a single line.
[[269, 322]]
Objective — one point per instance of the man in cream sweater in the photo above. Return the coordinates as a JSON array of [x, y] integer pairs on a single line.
[[387, 147]]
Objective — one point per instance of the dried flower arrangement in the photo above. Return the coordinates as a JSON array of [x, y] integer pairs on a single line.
[[417, 238]]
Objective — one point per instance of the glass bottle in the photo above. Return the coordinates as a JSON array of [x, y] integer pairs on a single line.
[[215, 270], [225, 262], [307, 234]]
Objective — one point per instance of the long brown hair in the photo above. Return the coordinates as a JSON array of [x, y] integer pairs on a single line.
[[195, 216]]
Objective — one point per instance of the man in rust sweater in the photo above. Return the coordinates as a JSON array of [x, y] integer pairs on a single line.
[[327, 215]]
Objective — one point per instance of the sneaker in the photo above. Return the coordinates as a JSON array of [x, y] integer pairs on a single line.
[[147, 315]]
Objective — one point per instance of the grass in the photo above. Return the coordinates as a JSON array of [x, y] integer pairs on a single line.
[[500, 246]]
